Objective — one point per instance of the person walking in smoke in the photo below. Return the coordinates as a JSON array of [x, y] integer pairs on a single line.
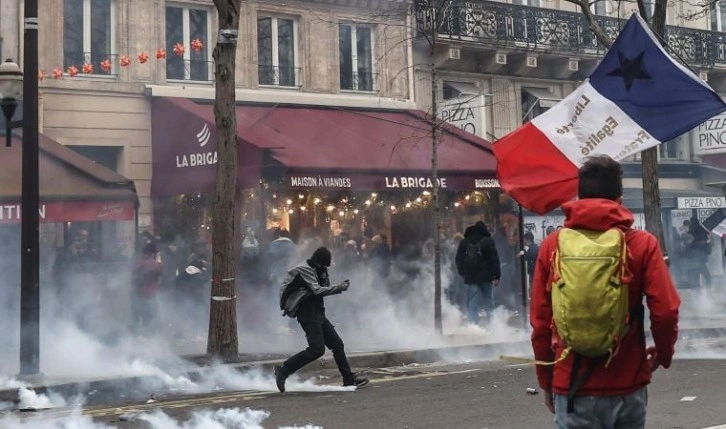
[[302, 296], [478, 262], [146, 278]]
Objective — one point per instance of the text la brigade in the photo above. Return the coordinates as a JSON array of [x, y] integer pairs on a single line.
[[413, 182]]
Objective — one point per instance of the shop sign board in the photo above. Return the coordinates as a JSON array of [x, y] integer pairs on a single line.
[[701, 202], [389, 182], [711, 136], [465, 112]]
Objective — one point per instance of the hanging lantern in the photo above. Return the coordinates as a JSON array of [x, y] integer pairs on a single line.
[[41, 75], [57, 73], [87, 68], [143, 58], [197, 45], [106, 65], [160, 54], [179, 50], [72, 71], [125, 60]]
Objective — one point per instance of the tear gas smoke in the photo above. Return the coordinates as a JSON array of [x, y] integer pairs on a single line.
[[227, 418]]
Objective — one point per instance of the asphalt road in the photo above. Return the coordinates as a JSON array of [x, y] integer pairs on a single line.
[[474, 395]]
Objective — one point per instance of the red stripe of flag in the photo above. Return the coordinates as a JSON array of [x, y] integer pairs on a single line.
[[533, 171]]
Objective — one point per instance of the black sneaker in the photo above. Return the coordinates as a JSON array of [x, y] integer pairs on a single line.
[[357, 381], [280, 378]]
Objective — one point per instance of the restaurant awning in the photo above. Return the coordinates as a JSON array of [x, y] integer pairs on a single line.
[[322, 148], [73, 188]]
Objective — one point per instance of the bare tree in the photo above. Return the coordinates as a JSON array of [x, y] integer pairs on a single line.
[[651, 191], [222, 338]]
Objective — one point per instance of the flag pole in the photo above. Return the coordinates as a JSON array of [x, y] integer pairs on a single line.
[[522, 268]]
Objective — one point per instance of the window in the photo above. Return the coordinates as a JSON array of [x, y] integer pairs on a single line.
[[277, 51], [356, 57], [536, 101], [669, 149], [600, 7], [183, 25], [88, 33], [533, 3], [718, 15]]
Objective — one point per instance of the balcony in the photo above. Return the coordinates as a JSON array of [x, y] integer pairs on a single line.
[[505, 26], [180, 69], [285, 77], [358, 81]]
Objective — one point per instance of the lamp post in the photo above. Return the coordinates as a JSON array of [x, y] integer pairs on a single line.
[[11, 90], [30, 221]]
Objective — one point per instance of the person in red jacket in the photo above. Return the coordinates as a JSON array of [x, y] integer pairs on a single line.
[[612, 396]]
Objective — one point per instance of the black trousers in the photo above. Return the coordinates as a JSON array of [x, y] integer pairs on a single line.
[[320, 334]]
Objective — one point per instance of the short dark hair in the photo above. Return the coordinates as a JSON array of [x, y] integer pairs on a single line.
[[284, 233], [600, 177], [528, 236], [150, 249]]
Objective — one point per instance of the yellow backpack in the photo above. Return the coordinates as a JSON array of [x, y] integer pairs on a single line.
[[590, 291]]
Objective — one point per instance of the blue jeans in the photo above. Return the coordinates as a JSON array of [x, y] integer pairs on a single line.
[[480, 295], [603, 412]]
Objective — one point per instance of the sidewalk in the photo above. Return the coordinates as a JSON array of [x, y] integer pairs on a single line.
[[460, 348]]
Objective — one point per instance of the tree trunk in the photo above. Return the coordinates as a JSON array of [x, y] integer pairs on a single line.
[[222, 339], [435, 134]]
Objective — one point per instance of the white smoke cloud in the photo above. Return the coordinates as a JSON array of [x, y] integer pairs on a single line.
[[226, 418]]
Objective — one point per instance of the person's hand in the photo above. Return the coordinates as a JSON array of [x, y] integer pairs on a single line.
[[652, 358], [495, 282], [345, 284], [549, 400]]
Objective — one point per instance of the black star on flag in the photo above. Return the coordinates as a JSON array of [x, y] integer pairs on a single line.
[[630, 69]]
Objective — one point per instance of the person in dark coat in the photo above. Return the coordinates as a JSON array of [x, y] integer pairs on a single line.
[[478, 263], [302, 296]]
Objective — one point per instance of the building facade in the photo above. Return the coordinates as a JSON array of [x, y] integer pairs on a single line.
[[103, 61]]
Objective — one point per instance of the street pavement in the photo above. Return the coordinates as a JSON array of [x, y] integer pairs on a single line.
[[466, 395]]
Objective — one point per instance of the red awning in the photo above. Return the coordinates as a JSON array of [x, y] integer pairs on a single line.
[[73, 188], [336, 148]]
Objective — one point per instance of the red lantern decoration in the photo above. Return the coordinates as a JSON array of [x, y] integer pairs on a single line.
[[87, 68], [179, 49], [125, 61], [41, 75], [160, 54], [197, 45], [73, 71], [106, 65], [57, 73], [143, 58]]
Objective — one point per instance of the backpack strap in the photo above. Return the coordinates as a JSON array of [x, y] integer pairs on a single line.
[[577, 381]]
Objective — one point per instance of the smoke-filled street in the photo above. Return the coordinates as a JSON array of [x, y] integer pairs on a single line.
[[470, 395]]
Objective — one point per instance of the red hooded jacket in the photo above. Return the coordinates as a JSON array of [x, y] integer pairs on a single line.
[[628, 371]]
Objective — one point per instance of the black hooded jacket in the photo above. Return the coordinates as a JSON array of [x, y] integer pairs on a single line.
[[488, 268]]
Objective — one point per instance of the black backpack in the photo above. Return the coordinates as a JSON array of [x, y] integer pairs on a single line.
[[472, 257]]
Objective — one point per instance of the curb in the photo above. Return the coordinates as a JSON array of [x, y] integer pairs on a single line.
[[490, 351]]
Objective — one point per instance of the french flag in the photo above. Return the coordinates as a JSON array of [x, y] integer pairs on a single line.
[[637, 98]]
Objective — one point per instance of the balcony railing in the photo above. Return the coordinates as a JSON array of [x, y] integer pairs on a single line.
[[506, 25], [101, 64], [178, 68], [279, 76], [358, 81]]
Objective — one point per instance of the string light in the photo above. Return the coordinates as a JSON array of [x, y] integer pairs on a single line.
[[374, 195], [303, 208], [301, 196], [341, 213], [393, 208], [418, 200], [368, 202], [291, 211], [426, 193], [289, 202], [457, 204], [468, 197], [356, 211], [408, 205], [274, 210], [316, 201], [331, 208]]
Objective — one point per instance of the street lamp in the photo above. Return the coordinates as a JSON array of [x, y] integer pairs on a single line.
[[11, 90]]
